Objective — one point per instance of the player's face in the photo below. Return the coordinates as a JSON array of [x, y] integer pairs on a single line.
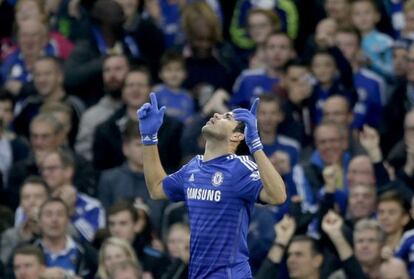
[[329, 144], [367, 246], [361, 202], [47, 78], [53, 220], [300, 260], [268, 116], [27, 267], [122, 225], [112, 256], [391, 216], [220, 126], [278, 51]]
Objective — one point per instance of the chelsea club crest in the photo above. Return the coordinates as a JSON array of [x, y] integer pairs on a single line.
[[217, 179]]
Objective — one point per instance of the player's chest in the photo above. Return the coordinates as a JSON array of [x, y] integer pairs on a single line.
[[208, 185]]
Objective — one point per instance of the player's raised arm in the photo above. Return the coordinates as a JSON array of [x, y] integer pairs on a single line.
[[150, 120], [274, 190]]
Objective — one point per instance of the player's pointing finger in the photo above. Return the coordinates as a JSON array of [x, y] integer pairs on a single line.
[[154, 102]]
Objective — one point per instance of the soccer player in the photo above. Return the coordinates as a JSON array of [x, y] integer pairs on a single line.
[[219, 188]]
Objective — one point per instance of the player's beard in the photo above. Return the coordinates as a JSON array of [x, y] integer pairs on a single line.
[[210, 133]]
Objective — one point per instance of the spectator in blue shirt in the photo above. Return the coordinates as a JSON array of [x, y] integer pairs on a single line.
[[334, 77], [269, 116], [86, 213], [375, 45], [253, 83], [32, 43], [371, 87], [393, 216], [61, 250], [170, 93]]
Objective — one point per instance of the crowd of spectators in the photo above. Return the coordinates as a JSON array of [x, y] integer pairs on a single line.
[[336, 117]]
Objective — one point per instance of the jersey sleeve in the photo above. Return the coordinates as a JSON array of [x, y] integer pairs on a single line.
[[173, 186], [249, 185]]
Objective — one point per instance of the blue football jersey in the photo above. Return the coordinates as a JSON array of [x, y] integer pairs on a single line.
[[220, 195]]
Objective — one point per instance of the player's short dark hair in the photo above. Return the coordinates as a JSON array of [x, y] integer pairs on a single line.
[[123, 205], [54, 200], [240, 127], [30, 250], [242, 148], [7, 96], [315, 246], [172, 56], [37, 180]]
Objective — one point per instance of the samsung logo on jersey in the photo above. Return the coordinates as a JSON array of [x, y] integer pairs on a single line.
[[203, 194]]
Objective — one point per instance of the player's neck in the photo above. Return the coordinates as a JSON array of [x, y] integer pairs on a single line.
[[215, 149]]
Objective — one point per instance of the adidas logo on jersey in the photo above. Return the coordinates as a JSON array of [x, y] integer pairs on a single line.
[[191, 179]]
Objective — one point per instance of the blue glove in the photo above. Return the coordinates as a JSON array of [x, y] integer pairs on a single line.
[[251, 132], [150, 120]]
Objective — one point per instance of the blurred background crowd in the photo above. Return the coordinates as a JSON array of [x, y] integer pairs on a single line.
[[336, 118]]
